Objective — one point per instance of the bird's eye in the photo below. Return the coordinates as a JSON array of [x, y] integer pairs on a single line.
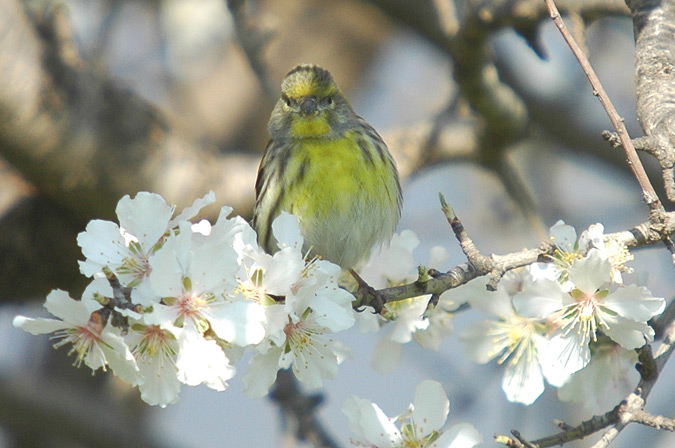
[[329, 100], [287, 101]]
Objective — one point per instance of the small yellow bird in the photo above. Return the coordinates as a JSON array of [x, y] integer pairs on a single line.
[[328, 167]]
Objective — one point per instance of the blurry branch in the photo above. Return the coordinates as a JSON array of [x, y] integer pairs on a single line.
[[83, 140], [299, 412], [111, 14], [38, 411], [447, 16], [503, 112], [431, 21], [464, 34], [442, 139], [630, 410], [465, 38], [253, 39], [655, 77], [516, 187]]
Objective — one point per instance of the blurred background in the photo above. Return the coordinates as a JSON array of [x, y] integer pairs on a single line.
[[481, 102]]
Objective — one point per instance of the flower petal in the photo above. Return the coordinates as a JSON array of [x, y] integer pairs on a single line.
[[591, 273], [539, 299], [146, 216], [202, 361], [286, 230], [77, 312], [261, 373], [635, 303], [628, 333], [240, 322], [480, 346], [463, 435], [523, 381], [560, 357], [563, 235], [38, 326], [369, 421], [102, 244], [431, 407], [497, 303], [192, 211]]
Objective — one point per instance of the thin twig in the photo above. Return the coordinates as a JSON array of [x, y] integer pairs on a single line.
[[522, 440], [648, 193], [468, 247], [654, 421]]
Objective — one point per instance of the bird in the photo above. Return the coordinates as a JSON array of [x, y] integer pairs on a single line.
[[330, 168]]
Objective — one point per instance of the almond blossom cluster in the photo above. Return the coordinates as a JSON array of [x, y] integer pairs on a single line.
[[190, 298], [557, 322], [175, 302], [552, 320]]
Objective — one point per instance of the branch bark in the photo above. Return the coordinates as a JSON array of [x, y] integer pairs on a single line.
[[654, 28]]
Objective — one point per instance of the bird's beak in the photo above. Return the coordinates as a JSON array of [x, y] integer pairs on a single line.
[[308, 106]]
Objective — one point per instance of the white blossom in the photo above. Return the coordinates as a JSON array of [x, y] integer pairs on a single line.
[[125, 249], [570, 249], [590, 306], [94, 342], [407, 319], [611, 369], [514, 340], [193, 279], [155, 349], [420, 426], [298, 331]]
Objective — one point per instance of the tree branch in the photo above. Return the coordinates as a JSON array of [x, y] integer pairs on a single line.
[[644, 234], [655, 83], [654, 421]]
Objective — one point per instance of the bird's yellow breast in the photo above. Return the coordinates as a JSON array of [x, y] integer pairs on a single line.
[[343, 192], [335, 177], [309, 126]]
